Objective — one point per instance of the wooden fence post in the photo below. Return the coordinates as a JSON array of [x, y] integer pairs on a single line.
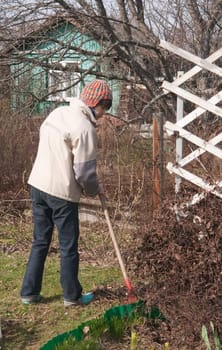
[[179, 140], [156, 171]]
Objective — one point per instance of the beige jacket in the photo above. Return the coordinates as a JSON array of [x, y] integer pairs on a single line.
[[65, 165]]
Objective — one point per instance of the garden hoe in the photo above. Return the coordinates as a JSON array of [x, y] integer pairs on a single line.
[[131, 295]]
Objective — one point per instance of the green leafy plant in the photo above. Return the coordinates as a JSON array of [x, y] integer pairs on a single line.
[[116, 327], [205, 337]]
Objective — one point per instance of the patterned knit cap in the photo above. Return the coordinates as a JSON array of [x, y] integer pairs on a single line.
[[95, 91]]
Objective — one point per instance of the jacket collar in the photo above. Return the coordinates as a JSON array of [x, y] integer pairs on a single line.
[[85, 109]]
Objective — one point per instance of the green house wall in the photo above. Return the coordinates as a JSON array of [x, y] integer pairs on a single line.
[[31, 79]]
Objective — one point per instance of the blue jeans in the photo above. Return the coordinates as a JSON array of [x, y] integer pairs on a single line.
[[47, 212]]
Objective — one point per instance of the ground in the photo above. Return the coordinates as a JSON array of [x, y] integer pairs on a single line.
[[179, 261], [174, 263]]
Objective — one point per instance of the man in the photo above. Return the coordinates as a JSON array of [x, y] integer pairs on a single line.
[[64, 168]]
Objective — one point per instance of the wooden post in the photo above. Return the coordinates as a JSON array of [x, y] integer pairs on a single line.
[[156, 172], [179, 140], [161, 157]]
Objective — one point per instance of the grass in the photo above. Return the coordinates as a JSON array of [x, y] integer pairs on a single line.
[[29, 327]]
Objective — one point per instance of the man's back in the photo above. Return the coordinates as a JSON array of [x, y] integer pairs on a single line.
[[68, 134]]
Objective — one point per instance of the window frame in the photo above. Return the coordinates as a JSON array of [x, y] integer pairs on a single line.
[[65, 95]]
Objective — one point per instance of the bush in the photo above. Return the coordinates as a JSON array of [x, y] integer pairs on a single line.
[[18, 145]]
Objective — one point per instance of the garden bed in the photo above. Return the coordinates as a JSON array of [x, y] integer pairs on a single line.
[[122, 327]]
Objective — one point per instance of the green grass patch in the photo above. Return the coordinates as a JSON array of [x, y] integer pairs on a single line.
[[30, 326]]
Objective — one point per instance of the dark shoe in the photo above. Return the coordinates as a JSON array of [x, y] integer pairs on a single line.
[[85, 299], [31, 299]]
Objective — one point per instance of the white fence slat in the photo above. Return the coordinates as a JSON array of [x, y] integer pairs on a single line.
[[192, 98], [207, 146], [197, 112], [204, 64], [199, 151], [196, 69], [196, 180]]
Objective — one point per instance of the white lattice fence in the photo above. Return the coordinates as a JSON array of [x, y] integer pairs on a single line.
[[209, 105]]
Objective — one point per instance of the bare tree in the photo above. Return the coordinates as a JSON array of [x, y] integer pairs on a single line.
[[128, 32]]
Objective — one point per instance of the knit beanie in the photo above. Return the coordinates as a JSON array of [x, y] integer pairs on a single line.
[[95, 91]]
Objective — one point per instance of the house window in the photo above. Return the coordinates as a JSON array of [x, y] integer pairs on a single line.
[[64, 85]]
